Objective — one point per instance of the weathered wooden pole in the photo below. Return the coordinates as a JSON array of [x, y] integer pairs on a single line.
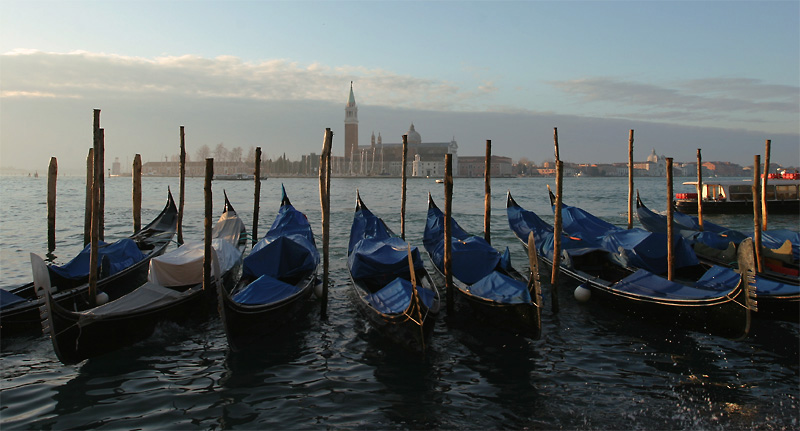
[[101, 185], [699, 190], [448, 245], [256, 194], [487, 193], [764, 189], [757, 210], [558, 222], [555, 141], [630, 179], [136, 174], [182, 191], [95, 231], [207, 225], [52, 177], [87, 221], [325, 203], [403, 190], [670, 223]]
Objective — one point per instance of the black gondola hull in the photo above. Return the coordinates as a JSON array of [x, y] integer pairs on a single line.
[[153, 240], [251, 325]]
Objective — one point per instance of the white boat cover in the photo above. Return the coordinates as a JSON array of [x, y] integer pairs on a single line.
[[184, 265], [229, 227], [146, 296]]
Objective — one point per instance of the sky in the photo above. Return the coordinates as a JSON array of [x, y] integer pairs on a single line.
[[717, 75]]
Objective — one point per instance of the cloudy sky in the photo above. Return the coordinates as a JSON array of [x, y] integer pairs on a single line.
[[721, 76]]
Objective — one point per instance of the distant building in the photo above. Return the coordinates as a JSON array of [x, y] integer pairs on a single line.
[[474, 166]]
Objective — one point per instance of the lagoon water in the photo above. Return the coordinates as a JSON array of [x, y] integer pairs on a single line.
[[591, 369]]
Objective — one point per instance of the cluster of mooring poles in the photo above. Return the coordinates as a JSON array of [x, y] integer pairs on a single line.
[[95, 201]]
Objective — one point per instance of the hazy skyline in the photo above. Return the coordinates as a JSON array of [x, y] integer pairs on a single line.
[[721, 76]]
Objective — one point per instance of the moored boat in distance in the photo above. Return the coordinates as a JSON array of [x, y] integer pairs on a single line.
[[736, 197], [278, 278], [122, 268]]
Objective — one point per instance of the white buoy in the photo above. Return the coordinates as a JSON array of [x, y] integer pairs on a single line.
[[318, 289], [102, 298], [582, 294]]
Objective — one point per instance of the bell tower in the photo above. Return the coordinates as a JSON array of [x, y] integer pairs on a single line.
[[350, 126]]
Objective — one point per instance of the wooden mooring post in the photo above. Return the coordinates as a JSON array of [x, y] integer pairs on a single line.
[[764, 189], [487, 194], [136, 174], [670, 223], [325, 204], [101, 185], [448, 245], [630, 179], [557, 223], [700, 190], [87, 220], [207, 225], [97, 172], [403, 174], [256, 194], [757, 210], [182, 191], [52, 177]]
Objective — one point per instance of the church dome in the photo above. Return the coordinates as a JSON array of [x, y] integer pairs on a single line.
[[413, 136], [653, 158]]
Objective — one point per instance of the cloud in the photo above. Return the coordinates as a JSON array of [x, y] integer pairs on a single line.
[[27, 72], [729, 101]]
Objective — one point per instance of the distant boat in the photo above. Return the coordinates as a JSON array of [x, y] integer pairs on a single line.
[[736, 197], [235, 177], [439, 181]]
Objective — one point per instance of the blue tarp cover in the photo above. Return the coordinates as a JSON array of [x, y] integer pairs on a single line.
[[377, 257], [8, 299], [501, 288], [630, 247], [646, 283], [776, 237], [718, 278], [713, 235], [765, 286], [287, 250], [265, 290], [374, 251], [396, 296], [473, 257], [117, 256]]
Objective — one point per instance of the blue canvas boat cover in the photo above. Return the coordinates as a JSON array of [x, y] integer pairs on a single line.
[[115, 257], [630, 247], [769, 287], [265, 290], [522, 222], [374, 251], [8, 299], [648, 284], [473, 257], [776, 237], [501, 288], [287, 250], [713, 235], [718, 278], [395, 297], [379, 257]]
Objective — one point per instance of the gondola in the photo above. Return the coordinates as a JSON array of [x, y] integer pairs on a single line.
[[122, 267], [173, 292], [777, 285], [484, 277], [719, 302], [398, 299], [278, 278]]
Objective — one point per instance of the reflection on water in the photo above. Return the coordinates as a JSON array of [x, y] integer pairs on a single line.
[[592, 368]]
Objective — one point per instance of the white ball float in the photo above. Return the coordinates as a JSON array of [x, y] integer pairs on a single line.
[[582, 294]]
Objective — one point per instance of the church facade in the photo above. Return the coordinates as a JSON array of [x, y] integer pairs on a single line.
[[423, 159]]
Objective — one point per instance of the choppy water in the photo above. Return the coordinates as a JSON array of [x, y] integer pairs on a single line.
[[591, 369]]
